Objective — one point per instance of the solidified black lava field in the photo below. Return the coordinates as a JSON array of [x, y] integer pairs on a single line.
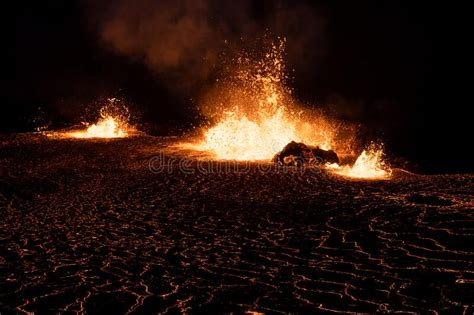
[[98, 227]]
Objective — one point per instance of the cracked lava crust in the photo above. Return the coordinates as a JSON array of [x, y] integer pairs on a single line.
[[86, 226]]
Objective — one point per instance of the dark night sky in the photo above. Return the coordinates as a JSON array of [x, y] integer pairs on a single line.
[[388, 65]]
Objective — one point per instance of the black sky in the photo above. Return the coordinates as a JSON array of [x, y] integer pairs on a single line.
[[388, 65]]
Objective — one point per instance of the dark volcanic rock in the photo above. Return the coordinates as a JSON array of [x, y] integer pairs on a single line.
[[324, 156], [294, 153], [297, 153]]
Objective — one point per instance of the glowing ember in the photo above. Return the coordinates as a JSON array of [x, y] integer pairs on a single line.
[[368, 165], [111, 124], [260, 117]]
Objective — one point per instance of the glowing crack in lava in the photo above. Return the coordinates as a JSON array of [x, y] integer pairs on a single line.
[[369, 165], [259, 116], [111, 124]]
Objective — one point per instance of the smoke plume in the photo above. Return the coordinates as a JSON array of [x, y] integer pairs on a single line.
[[187, 42]]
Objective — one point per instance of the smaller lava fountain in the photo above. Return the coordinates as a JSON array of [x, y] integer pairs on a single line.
[[369, 165], [106, 127], [113, 123]]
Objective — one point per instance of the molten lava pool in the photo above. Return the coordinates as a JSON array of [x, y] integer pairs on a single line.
[[137, 226]]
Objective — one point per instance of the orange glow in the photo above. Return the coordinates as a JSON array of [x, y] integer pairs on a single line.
[[111, 124], [369, 165], [258, 115], [239, 136], [106, 127]]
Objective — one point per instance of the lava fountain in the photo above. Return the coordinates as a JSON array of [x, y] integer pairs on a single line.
[[113, 123], [260, 116], [369, 165], [257, 116]]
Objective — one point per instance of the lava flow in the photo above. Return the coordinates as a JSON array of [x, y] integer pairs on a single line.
[[111, 124]]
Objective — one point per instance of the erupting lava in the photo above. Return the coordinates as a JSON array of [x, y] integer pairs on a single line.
[[239, 137], [369, 165], [112, 124], [259, 116], [106, 127]]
